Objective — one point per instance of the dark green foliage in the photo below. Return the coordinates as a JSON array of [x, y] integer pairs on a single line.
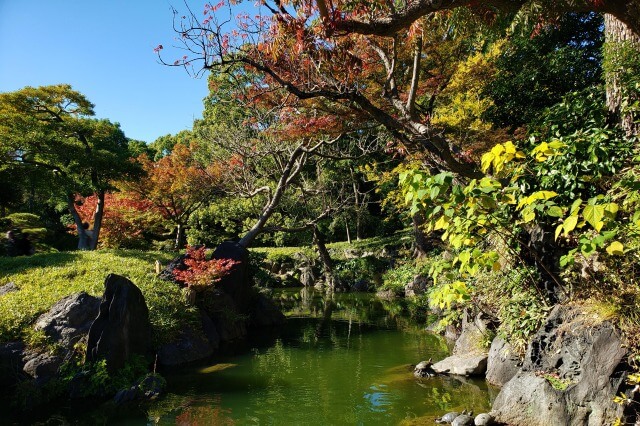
[[93, 379], [535, 71], [593, 152], [367, 268]]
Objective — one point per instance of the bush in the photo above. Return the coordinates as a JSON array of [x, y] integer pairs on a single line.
[[366, 268]]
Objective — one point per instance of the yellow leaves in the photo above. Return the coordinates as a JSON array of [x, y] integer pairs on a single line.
[[500, 155], [446, 295], [536, 196], [546, 150], [441, 223], [615, 249], [593, 214], [568, 225]]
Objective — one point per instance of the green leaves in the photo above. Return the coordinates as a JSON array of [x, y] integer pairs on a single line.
[[447, 295], [594, 214]]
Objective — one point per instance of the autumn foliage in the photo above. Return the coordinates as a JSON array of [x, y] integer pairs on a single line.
[[126, 217], [202, 273]]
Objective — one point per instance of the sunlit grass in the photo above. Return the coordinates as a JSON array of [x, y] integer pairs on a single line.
[[400, 238], [44, 279]]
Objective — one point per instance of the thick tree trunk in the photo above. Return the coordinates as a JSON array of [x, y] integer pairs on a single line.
[[84, 241], [97, 222], [620, 42]]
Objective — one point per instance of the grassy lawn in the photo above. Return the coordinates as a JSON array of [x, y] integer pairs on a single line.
[[43, 279], [400, 238]]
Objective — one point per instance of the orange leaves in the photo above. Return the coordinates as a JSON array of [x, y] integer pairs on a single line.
[[125, 219], [177, 184]]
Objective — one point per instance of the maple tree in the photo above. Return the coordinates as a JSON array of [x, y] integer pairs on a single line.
[[201, 273], [126, 218], [176, 185], [353, 64]]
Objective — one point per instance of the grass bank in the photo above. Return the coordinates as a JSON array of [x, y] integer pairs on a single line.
[[44, 279]]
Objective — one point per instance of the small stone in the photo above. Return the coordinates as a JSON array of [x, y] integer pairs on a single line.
[[448, 418], [483, 419], [8, 288], [462, 420]]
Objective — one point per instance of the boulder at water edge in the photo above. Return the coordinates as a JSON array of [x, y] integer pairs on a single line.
[[583, 355], [469, 357], [122, 327], [503, 362]]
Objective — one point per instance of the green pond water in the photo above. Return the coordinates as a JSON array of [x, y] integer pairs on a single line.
[[339, 360]]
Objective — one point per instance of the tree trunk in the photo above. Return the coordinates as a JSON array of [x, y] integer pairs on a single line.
[[325, 258], [357, 204], [97, 222], [346, 226], [292, 168], [179, 242], [83, 238], [621, 47]]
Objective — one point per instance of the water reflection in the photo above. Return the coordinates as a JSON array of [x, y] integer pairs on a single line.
[[339, 359]]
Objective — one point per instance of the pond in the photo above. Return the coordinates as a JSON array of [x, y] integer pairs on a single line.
[[339, 360]]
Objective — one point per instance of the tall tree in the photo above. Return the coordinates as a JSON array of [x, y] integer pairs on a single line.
[[362, 62], [48, 132], [176, 184]]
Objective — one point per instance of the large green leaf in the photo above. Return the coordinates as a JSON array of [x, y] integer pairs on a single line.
[[594, 215]]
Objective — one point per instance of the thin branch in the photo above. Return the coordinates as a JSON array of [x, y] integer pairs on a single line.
[[415, 77]]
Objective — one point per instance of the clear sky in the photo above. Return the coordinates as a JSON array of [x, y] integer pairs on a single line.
[[104, 49]]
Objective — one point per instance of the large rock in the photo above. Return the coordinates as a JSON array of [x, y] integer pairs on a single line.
[[583, 355], [237, 282], [264, 312], [462, 365], [69, 320], [503, 362], [190, 346], [230, 323], [42, 366], [469, 358], [474, 330], [11, 366], [8, 288], [122, 327]]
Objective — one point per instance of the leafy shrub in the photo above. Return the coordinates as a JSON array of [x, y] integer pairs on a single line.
[[92, 379], [397, 278], [202, 273], [365, 268]]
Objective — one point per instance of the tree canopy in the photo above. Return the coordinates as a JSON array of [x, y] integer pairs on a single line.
[[48, 134]]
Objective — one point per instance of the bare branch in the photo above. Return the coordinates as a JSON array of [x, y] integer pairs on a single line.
[[415, 77]]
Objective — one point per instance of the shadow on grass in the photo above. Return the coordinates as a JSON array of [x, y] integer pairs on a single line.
[[16, 265]]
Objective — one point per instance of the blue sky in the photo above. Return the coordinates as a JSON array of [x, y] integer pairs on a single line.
[[104, 49]]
